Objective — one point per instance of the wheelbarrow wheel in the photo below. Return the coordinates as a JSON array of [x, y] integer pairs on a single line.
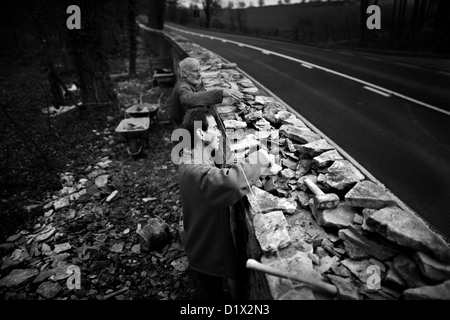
[[134, 147]]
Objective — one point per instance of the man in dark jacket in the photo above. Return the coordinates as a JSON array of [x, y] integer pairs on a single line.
[[190, 93], [206, 193]]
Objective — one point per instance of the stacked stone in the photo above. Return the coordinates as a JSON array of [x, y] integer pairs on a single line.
[[369, 243]]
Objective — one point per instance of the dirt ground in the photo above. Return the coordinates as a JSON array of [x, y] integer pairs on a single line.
[[40, 152]]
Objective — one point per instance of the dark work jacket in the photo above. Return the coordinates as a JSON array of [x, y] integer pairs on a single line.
[[206, 194], [187, 96]]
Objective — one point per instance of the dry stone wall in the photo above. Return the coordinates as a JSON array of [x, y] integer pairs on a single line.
[[369, 243]]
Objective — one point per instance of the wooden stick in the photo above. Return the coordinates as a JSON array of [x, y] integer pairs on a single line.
[[113, 294], [317, 285]]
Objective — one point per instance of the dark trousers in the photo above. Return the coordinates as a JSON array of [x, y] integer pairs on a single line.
[[208, 287]]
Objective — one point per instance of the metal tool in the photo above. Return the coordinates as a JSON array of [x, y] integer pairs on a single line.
[[322, 200]]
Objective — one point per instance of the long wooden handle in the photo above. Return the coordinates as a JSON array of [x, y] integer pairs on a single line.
[[316, 285], [315, 189]]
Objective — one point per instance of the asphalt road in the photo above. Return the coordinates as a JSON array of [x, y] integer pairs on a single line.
[[390, 114]]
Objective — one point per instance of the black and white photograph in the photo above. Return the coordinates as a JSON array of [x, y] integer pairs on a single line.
[[222, 155]]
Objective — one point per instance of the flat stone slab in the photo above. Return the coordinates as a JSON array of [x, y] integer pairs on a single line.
[[326, 158], [438, 292], [270, 111], [342, 175], [315, 148], [299, 134], [326, 263], [262, 202], [18, 277], [271, 230], [49, 290], [288, 173], [408, 270], [393, 279], [358, 267], [234, 124], [226, 109], [61, 203], [289, 163], [303, 227], [372, 248], [431, 268], [295, 122], [354, 251], [405, 229], [340, 217], [347, 290], [302, 197], [299, 264], [367, 194], [62, 247]]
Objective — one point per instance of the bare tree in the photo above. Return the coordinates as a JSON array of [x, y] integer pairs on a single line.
[[155, 14], [261, 3], [89, 58], [211, 7], [132, 36]]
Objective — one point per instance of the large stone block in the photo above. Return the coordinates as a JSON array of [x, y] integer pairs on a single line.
[[315, 148], [432, 269], [271, 230], [299, 134], [406, 229], [408, 270], [367, 194], [326, 159], [263, 202], [339, 217], [372, 248], [438, 292], [299, 264], [342, 175]]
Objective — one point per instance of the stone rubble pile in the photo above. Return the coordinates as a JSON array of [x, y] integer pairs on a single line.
[[368, 242], [94, 228]]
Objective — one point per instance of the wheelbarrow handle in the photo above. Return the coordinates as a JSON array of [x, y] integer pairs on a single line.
[[315, 284]]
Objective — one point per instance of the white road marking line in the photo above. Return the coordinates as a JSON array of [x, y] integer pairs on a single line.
[[406, 65], [386, 94], [316, 130], [241, 45], [371, 58], [346, 53], [306, 65], [265, 52], [444, 73], [224, 41], [421, 103]]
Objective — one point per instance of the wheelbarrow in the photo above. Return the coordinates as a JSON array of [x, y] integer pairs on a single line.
[[135, 132], [140, 110]]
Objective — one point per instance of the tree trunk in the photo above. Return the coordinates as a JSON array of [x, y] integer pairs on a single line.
[[155, 14], [363, 18], [89, 59], [207, 10], [132, 37]]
